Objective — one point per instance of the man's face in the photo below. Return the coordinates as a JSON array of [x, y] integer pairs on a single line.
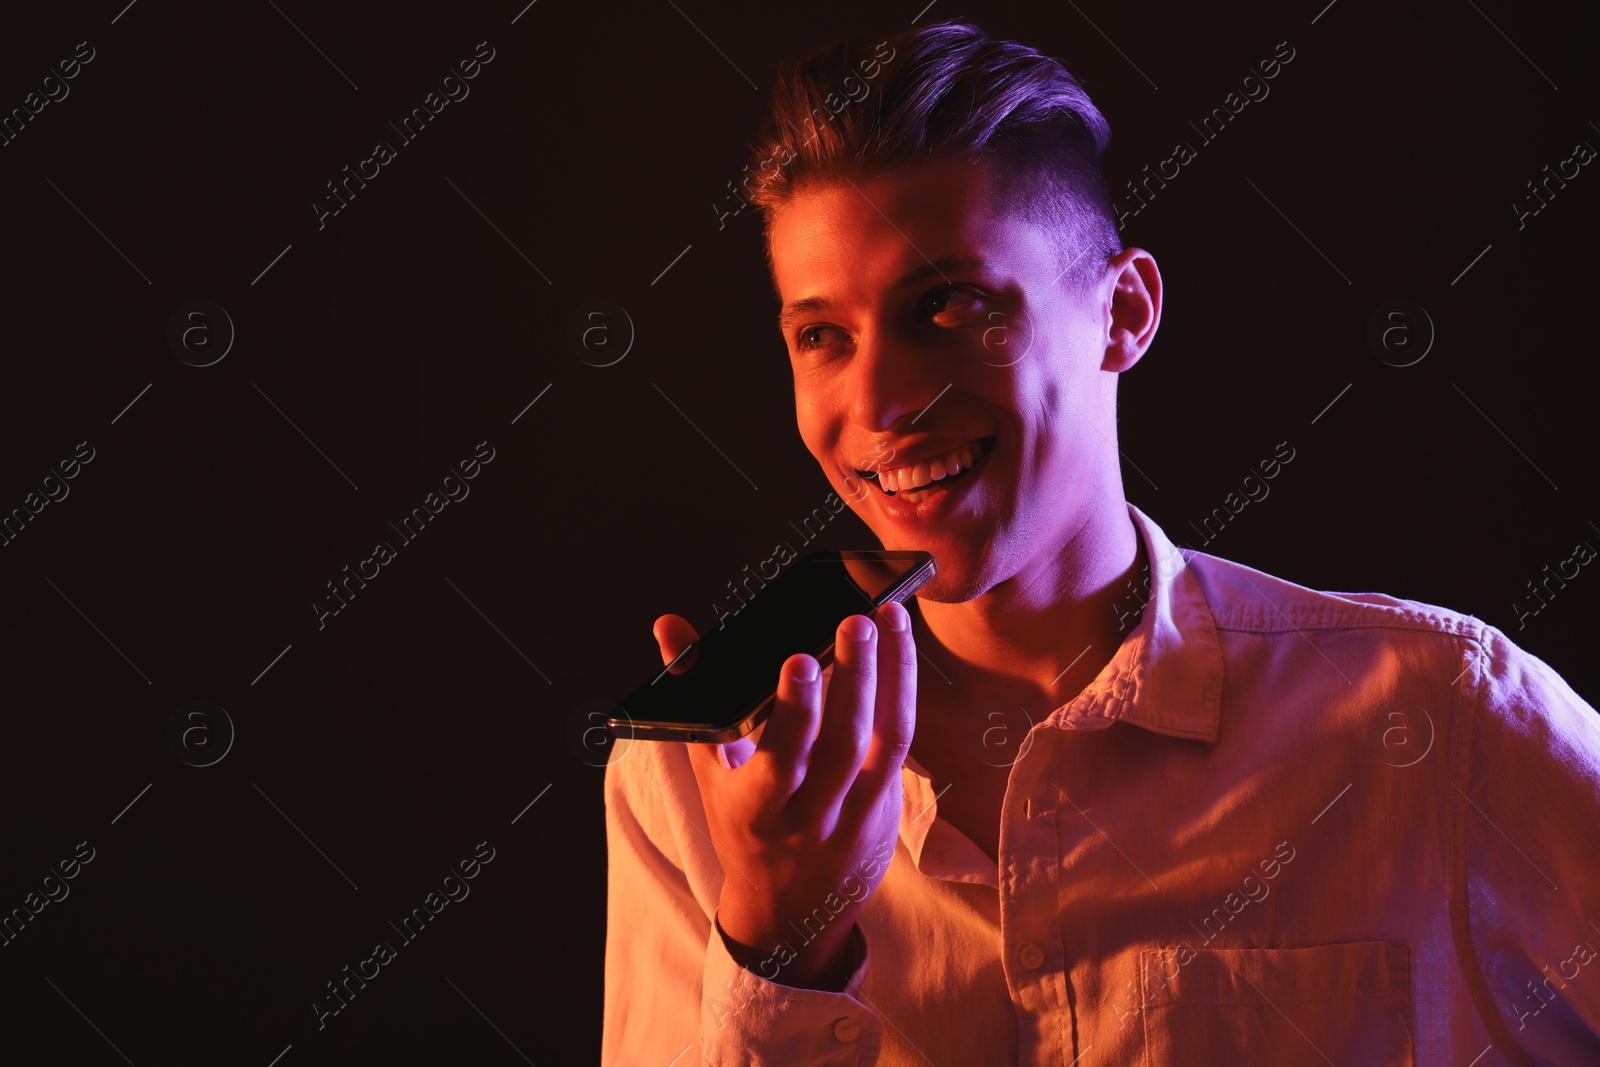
[[925, 324]]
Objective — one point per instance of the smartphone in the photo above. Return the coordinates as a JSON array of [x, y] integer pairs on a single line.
[[723, 686]]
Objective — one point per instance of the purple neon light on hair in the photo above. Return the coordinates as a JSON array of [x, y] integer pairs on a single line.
[[858, 107]]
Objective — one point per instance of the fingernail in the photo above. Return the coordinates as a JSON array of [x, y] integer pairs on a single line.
[[899, 618], [805, 673], [858, 628]]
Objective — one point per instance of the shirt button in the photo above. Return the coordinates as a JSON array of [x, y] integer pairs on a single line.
[[846, 1030], [1031, 956]]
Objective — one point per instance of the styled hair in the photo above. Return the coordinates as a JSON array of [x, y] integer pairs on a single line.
[[854, 108]]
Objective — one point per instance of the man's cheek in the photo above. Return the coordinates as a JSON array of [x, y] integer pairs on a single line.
[[852, 490]]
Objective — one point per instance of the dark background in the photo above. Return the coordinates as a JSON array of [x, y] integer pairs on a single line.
[[372, 754]]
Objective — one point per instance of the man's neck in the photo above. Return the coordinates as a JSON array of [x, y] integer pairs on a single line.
[[1045, 633]]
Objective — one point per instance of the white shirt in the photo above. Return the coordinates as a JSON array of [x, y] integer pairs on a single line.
[[1281, 826]]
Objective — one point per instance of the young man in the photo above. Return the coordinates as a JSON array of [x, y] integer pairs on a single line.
[[1225, 819]]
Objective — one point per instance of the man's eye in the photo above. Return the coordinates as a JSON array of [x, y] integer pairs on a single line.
[[951, 302], [813, 337]]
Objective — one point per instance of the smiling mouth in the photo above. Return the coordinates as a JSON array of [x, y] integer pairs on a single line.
[[930, 474]]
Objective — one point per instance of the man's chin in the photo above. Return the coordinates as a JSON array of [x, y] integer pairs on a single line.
[[952, 577], [947, 588]]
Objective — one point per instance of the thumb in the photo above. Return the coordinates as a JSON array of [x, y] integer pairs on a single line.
[[674, 634]]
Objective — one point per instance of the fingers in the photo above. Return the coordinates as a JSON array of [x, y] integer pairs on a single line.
[[846, 728], [674, 634], [895, 714], [790, 729], [778, 759], [817, 753]]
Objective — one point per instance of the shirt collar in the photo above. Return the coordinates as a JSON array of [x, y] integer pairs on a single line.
[[1166, 676]]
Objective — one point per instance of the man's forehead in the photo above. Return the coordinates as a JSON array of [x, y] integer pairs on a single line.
[[942, 195]]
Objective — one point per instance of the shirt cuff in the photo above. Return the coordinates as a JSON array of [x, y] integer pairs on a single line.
[[748, 1019]]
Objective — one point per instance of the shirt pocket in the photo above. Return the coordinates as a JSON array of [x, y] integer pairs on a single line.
[[1346, 1004]]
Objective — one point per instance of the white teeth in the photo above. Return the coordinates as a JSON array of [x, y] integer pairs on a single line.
[[899, 479]]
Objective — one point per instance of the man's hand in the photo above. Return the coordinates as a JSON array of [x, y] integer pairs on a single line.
[[808, 816]]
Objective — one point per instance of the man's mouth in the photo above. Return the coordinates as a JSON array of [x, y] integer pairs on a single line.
[[914, 482]]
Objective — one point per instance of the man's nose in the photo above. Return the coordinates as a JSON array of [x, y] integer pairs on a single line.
[[893, 380]]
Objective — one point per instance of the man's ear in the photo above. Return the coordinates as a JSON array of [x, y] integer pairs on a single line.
[[1135, 307]]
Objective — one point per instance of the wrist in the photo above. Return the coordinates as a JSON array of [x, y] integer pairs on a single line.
[[805, 959]]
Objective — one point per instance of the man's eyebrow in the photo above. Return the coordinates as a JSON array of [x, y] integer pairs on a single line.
[[799, 308]]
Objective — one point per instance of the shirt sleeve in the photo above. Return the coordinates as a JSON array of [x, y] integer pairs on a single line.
[[1528, 811], [748, 1019], [673, 994]]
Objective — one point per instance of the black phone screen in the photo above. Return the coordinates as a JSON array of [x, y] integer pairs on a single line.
[[712, 690]]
